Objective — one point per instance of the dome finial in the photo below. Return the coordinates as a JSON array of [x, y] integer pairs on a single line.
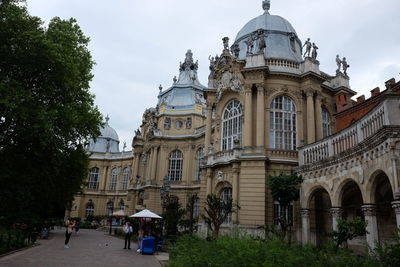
[[107, 119], [266, 4]]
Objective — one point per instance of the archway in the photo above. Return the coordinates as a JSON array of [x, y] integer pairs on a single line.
[[320, 216], [352, 201], [386, 218]]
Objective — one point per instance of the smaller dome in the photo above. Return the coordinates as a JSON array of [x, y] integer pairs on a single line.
[[108, 140]]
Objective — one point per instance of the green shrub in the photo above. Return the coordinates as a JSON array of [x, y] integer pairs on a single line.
[[388, 254], [233, 251]]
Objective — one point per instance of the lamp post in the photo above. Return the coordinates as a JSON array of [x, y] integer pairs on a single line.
[[164, 194], [110, 206]]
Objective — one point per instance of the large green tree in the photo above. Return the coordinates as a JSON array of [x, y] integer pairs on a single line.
[[46, 113]]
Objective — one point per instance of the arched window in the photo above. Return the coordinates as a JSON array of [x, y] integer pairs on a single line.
[[93, 182], [125, 179], [232, 125], [113, 180], [326, 123], [175, 165], [199, 157], [89, 209], [282, 124], [226, 194]]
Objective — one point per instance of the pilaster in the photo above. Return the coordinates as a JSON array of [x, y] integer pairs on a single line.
[[260, 117], [310, 116], [248, 123], [336, 213], [208, 129], [396, 207], [318, 116], [369, 211]]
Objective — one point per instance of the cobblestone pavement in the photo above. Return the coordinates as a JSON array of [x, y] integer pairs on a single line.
[[90, 248]]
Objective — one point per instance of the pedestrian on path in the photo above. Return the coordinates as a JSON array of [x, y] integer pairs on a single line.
[[128, 232], [68, 232], [77, 226]]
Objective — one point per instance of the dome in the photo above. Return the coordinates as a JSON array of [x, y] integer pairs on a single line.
[[280, 37], [108, 140], [185, 92]]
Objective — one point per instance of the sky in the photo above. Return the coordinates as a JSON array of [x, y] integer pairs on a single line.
[[137, 45]]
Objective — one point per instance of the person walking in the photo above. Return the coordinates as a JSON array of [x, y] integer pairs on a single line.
[[128, 232], [68, 232]]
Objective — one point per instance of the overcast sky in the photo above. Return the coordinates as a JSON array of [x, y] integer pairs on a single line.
[[137, 45]]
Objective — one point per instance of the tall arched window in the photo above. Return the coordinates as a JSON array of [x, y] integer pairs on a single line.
[[199, 157], [232, 125], [226, 194], [125, 179], [196, 208], [113, 180], [93, 182], [326, 123], [89, 209], [282, 123], [175, 165]]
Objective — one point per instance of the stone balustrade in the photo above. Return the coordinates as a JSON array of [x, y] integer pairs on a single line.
[[283, 63], [359, 131], [222, 157]]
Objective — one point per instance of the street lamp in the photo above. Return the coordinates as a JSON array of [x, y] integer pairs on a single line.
[[164, 194], [110, 206]]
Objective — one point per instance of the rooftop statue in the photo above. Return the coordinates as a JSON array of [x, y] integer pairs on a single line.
[[314, 52], [235, 50], [250, 45], [338, 63], [308, 46], [345, 66], [225, 40], [261, 41], [174, 79]]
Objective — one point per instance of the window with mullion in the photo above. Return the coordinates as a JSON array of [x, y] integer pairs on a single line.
[[93, 182], [175, 165], [231, 124], [282, 123]]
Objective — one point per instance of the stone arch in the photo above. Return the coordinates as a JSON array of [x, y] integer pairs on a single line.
[[228, 97], [220, 186], [350, 199], [319, 205], [338, 191], [292, 96], [381, 193], [373, 180]]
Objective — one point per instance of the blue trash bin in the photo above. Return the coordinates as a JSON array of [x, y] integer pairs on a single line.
[[148, 245]]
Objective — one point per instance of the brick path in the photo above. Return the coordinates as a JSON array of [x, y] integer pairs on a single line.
[[90, 248]]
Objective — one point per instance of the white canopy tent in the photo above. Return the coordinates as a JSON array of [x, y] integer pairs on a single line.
[[146, 214]]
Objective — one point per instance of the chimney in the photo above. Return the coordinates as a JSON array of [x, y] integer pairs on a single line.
[[390, 83], [341, 102], [361, 98], [375, 91]]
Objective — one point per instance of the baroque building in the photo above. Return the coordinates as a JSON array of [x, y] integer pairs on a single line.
[[267, 109]]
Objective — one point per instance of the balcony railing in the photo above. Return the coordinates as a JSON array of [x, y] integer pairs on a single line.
[[221, 157], [384, 114]]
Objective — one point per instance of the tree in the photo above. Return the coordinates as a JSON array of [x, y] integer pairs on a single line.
[[216, 212], [46, 113], [285, 189], [189, 223], [172, 216], [348, 229]]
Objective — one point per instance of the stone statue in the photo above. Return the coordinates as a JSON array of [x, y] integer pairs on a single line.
[[338, 63], [174, 79], [314, 51], [167, 123], [345, 66], [250, 44], [189, 123], [261, 41], [160, 87], [137, 132], [225, 40], [308, 46]]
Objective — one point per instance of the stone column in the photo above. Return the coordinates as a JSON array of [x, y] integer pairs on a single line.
[[149, 162], [103, 178], [396, 207], [154, 165], [208, 129], [260, 117], [369, 211], [209, 181], [248, 123], [235, 191], [305, 225], [310, 117], [318, 116], [336, 213]]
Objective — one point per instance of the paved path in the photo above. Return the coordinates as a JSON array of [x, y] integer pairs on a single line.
[[90, 248]]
